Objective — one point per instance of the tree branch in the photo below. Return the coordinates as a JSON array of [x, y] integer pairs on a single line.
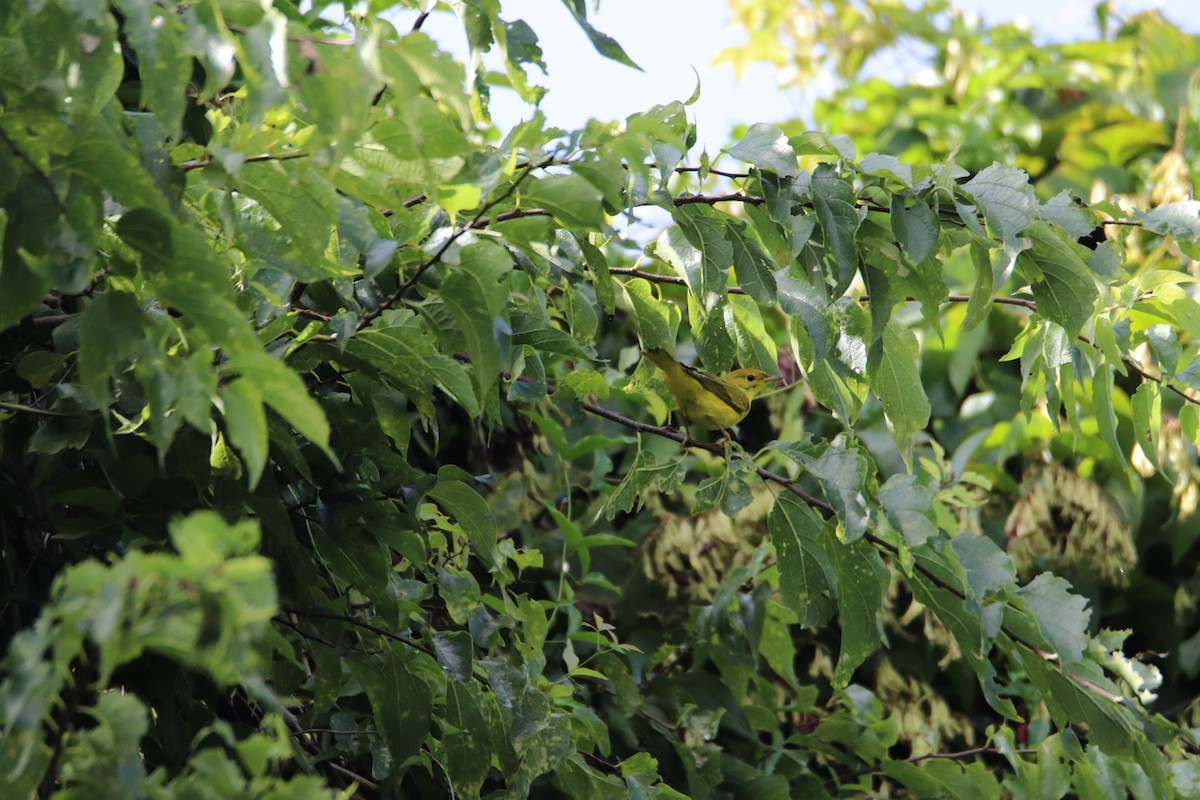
[[1031, 305], [713, 199], [676, 436], [827, 511], [201, 163], [317, 614], [654, 277], [974, 751]]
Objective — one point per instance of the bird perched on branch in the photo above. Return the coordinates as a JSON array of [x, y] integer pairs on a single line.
[[710, 401]]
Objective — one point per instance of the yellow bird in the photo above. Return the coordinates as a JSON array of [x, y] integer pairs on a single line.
[[707, 400]]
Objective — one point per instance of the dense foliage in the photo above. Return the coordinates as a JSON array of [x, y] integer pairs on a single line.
[[331, 466]]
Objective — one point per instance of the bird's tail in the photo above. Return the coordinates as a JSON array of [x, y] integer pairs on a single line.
[[659, 356]]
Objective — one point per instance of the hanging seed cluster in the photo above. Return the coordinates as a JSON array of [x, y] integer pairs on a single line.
[[690, 556], [1064, 523]]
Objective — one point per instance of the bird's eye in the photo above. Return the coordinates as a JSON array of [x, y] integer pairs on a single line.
[[751, 378]]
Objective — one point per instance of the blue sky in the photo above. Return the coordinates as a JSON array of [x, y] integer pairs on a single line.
[[669, 38]]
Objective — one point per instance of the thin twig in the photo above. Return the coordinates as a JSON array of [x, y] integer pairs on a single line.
[[676, 436], [712, 199], [395, 296], [41, 175], [654, 277], [311, 313], [308, 612], [711, 171], [40, 412], [349, 42], [201, 163], [516, 213]]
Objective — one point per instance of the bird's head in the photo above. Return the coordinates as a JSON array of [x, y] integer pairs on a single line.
[[751, 381]]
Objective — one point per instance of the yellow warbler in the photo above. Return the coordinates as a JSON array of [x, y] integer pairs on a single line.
[[707, 400]]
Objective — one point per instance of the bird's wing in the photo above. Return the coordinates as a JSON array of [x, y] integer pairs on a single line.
[[739, 404]]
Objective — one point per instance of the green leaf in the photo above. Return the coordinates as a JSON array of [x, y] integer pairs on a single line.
[[833, 199], [282, 390], [455, 654], [164, 62], [468, 749], [188, 276], [839, 380], [751, 264], [605, 45], [401, 702], [972, 622], [862, 582], [1147, 420], [471, 512], [476, 293], [532, 326], [887, 166], [645, 471], [1063, 211], [841, 470], [1164, 343], [519, 46], [1061, 616], [103, 159], [702, 226], [712, 338], [1112, 727], [802, 301], [602, 279], [62, 433], [1181, 220], [247, 424], [300, 199], [656, 321], [806, 576], [766, 147], [109, 331], [572, 201], [988, 568], [24, 288], [582, 319], [1189, 422], [608, 174], [1062, 283], [205, 540], [1106, 418], [916, 229], [400, 345], [1006, 197], [822, 144], [730, 490], [897, 381], [425, 136], [909, 506], [981, 294], [41, 367]]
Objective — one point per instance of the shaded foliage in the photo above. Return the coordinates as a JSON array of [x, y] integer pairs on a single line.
[[330, 465]]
